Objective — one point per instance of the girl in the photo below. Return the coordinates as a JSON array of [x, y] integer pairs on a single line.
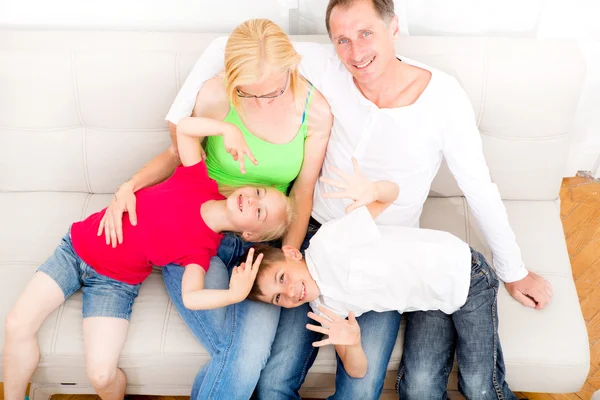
[[181, 221]]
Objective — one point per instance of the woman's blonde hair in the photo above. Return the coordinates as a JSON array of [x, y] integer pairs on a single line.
[[280, 229], [253, 50]]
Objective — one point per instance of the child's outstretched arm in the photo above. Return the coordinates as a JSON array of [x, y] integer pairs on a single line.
[[190, 129], [377, 196], [345, 336], [195, 297]]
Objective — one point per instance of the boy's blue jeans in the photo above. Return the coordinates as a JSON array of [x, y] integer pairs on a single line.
[[260, 348], [432, 338]]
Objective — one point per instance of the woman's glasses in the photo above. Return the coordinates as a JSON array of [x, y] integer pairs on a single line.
[[271, 95]]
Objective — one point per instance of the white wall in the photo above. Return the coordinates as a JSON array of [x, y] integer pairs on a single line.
[[576, 19], [517, 18], [160, 15], [579, 21]]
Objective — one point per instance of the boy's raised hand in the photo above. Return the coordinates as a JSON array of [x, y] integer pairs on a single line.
[[356, 187], [340, 331], [243, 276]]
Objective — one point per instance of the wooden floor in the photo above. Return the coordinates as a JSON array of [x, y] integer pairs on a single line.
[[580, 213]]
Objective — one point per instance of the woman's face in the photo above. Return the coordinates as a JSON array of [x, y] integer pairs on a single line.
[[274, 86]]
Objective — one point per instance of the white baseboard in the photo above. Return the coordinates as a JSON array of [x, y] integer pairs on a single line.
[[584, 157]]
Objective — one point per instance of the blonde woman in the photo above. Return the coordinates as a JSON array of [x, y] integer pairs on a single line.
[[269, 127]]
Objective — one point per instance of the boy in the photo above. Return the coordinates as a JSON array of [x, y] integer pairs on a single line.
[[353, 266]]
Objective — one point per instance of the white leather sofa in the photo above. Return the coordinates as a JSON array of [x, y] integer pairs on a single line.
[[81, 111]]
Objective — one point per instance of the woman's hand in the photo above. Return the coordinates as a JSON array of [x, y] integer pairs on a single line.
[[112, 221], [341, 331], [235, 144], [243, 276], [356, 187]]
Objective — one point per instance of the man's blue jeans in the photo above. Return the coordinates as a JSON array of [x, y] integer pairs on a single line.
[[249, 337], [432, 337]]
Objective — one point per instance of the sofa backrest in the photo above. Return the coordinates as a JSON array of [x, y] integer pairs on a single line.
[[82, 111]]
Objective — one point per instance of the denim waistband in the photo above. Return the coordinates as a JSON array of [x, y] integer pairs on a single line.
[[475, 257], [314, 222]]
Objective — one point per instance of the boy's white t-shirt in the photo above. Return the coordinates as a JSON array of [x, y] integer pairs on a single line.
[[362, 267]]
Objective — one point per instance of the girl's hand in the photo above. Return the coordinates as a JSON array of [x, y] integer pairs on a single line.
[[236, 145], [340, 331], [243, 276], [356, 187]]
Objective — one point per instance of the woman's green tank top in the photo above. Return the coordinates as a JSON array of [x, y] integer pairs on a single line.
[[278, 164]]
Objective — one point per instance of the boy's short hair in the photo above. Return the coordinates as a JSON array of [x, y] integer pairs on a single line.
[[271, 255]]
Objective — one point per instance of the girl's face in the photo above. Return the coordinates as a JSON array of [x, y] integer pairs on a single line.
[[255, 211]]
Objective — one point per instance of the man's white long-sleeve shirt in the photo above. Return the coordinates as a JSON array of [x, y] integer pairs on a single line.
[[405, 145]]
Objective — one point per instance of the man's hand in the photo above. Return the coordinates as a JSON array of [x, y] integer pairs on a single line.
[[235, 144], [356, 187], [340, 331], [532, 291], [243, 276], [112, 221]]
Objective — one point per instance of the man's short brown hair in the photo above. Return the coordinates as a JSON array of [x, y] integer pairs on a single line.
[[271, 255], [384, 8]]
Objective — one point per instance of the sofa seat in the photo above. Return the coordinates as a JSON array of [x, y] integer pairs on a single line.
[[544, 350]]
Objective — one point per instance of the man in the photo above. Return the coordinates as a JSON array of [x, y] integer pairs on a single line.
[[397, 118]]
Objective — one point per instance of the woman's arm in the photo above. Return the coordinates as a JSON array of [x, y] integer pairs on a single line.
[[157, 170], [319, 129], [211, 102]]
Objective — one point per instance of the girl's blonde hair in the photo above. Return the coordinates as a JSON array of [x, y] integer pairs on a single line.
[[253, 50], [280, 229]]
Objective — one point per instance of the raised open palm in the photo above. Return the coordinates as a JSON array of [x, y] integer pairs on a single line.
[[356, 187], [340, 331]]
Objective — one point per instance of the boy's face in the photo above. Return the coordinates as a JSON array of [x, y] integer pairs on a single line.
[[288, 283]]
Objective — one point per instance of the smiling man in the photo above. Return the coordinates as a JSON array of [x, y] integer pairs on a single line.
[[399, 118]]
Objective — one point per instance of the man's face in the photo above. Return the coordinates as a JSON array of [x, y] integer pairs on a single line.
[[288, 283], [363, 41]]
